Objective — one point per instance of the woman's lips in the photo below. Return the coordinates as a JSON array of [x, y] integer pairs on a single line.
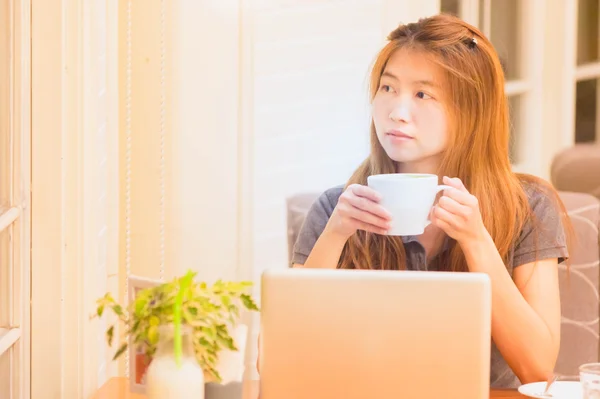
[[398, 136]]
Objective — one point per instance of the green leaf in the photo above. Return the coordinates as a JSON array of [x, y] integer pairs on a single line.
[[120, 351], [100, 310], [226, 300], [210, 332], [190, 313], [213, 371], [153, 334], [193, 311], [136, 326], [227, 342], [196, 323], [109, 335], [234, 310], [118, 309], [140, 305], [221, 329], [185, 282], [248, 302]]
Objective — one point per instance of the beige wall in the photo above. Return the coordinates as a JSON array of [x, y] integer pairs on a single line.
[[206, 117], [195, 127], [74, 192]]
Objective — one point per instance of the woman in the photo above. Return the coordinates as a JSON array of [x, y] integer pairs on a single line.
[[438, 106]]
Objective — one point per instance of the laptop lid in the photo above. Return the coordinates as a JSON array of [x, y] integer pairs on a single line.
[[353, 334]]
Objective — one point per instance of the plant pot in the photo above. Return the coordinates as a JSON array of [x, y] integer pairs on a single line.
[[212, 390], [165, 378], [232, 390]]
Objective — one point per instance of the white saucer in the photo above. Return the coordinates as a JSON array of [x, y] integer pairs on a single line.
[[558, 390]]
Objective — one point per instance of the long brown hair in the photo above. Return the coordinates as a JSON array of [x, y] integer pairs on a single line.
[[477, 111]]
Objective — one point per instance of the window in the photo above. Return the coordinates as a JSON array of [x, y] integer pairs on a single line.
[[587, 72], [451, 7], [14, 189], [513, 26]]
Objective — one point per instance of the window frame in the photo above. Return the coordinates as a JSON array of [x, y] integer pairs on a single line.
[[15, 218]]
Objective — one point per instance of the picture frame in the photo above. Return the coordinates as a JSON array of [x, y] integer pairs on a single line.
[[138, 361]]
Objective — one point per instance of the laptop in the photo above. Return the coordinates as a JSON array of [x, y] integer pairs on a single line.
[[362, 334]]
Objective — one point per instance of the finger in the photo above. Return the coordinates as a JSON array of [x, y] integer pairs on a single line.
[[454, 207], [445, 226], [368, 205], [369, 218], [455, 182], [459, 196], [365, 192], [360, 225], [445, 216]]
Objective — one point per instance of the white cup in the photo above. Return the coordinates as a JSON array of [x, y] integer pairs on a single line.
[[408, 197], [589, 375]]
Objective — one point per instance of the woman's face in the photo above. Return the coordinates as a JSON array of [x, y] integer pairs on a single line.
[[408, 112]]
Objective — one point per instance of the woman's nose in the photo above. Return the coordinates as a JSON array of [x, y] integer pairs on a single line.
[[401, 112]]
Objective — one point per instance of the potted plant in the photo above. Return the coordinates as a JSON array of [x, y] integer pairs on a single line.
[[182, 326]]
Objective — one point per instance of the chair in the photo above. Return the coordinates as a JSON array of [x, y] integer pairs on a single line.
[[579, 286], [575, 172], [577, 169], [297, 208]]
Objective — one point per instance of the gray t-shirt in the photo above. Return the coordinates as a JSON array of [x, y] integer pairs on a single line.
[[547, 232]]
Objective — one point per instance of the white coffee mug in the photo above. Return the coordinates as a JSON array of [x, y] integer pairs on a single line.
[[408, 197]]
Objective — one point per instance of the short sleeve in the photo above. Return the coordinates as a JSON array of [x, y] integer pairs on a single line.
[[543, 236], [316, 219]]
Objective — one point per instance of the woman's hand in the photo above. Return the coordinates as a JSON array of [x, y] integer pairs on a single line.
[[457, 213], [358, 209]]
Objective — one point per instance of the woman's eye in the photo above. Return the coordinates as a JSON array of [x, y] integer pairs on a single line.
[[423, 96], [386, 88]]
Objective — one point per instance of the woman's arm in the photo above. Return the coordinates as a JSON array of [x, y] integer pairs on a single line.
[[356, 208], [525, 308], [525, 312], [326, 252]]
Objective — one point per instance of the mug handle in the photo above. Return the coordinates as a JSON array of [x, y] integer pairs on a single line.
[[438, 189]]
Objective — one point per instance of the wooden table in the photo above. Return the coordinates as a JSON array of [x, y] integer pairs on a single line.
[[118, 388]]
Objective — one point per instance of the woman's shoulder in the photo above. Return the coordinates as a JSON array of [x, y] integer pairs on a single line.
[[543, 233], [541, 195], [314, 223], [328, 199]]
